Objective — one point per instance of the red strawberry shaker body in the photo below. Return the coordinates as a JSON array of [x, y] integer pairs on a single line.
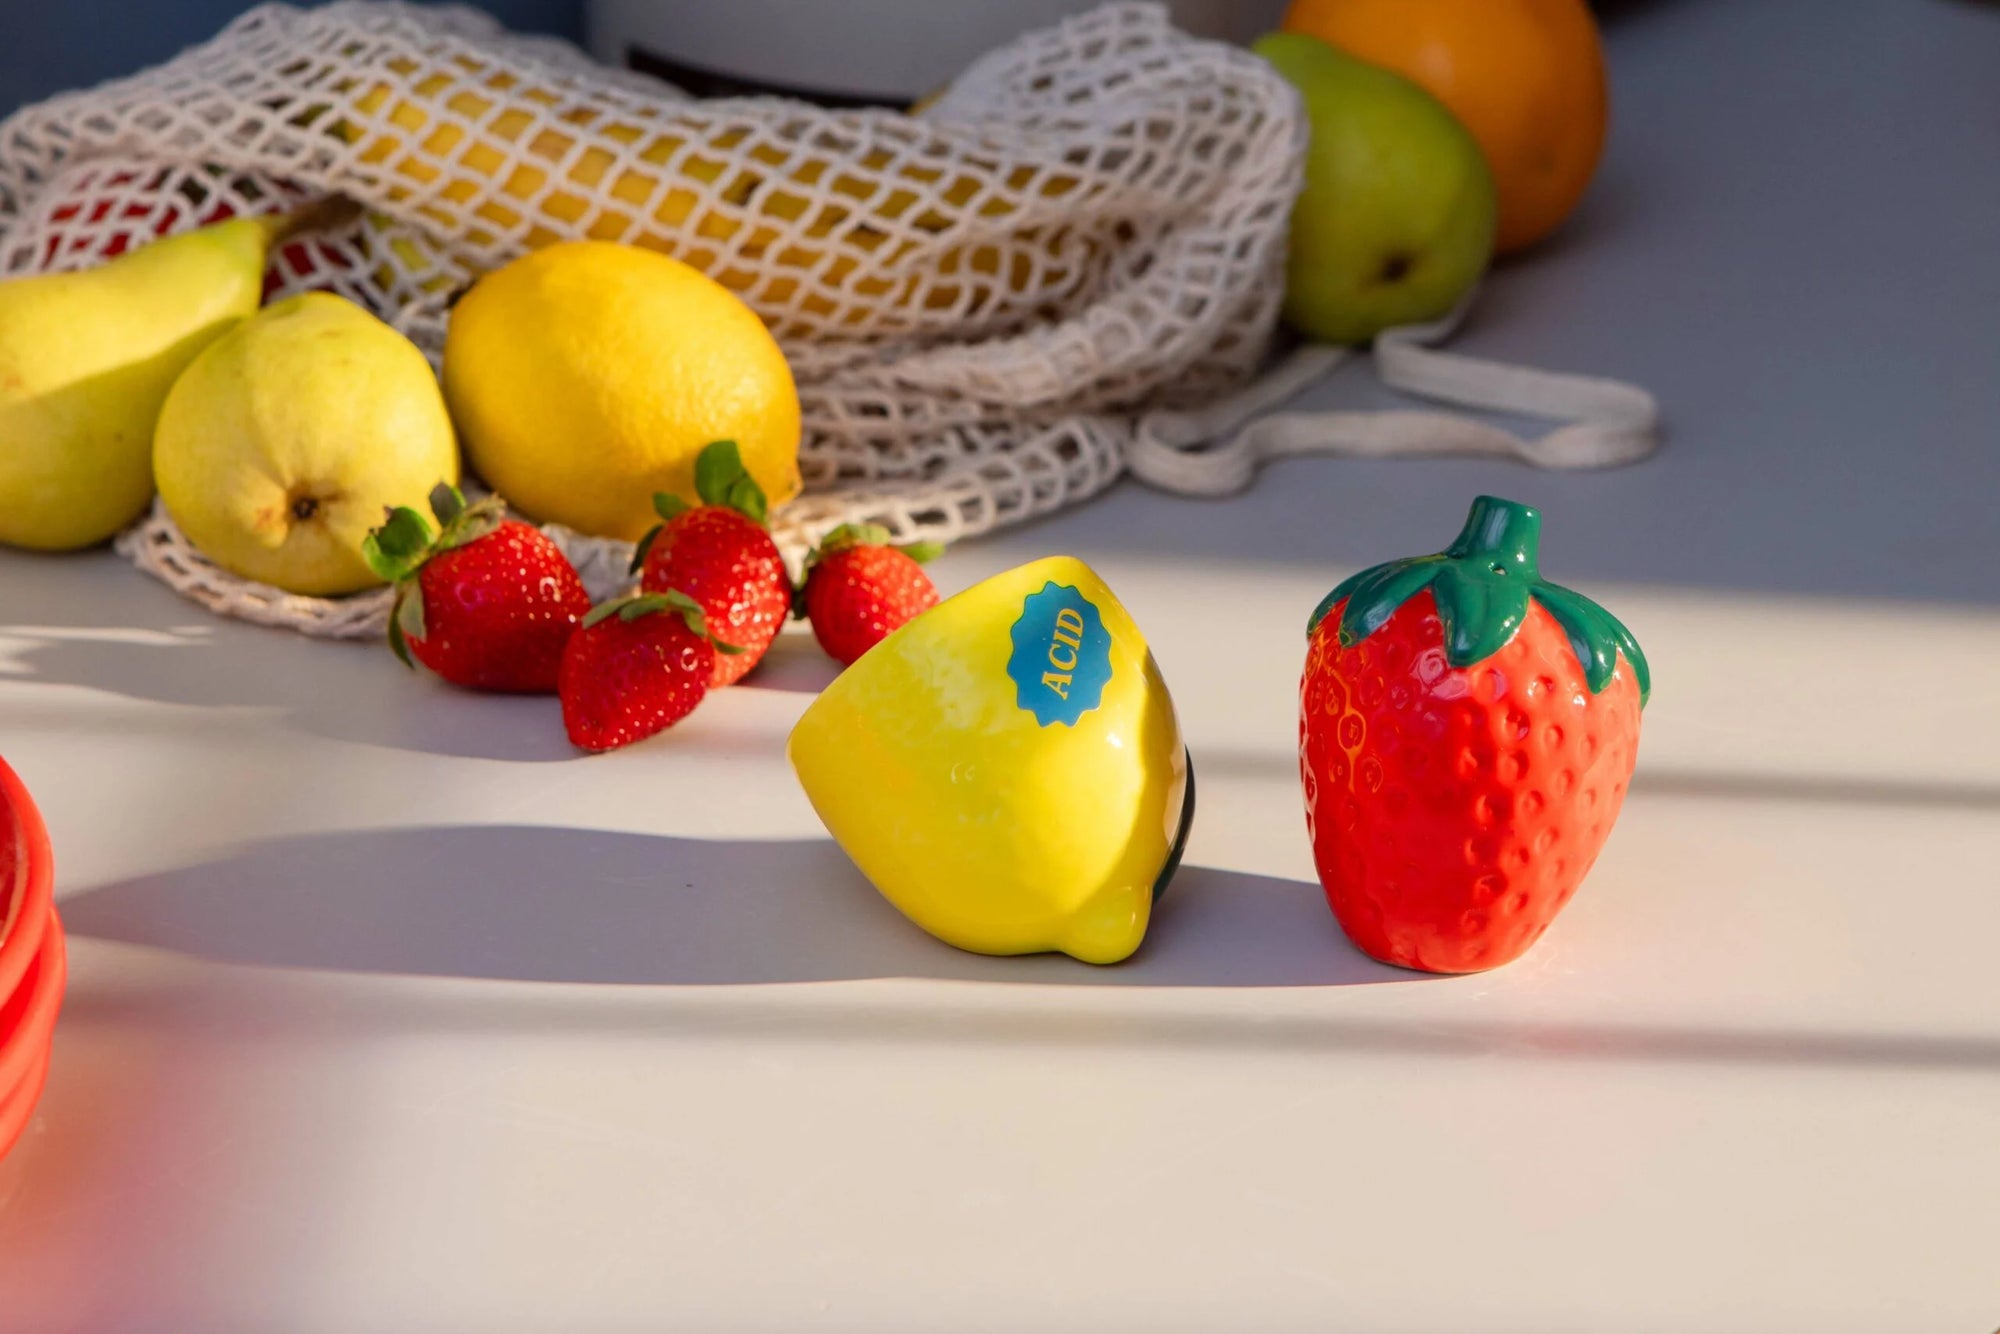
[[1466, 734]]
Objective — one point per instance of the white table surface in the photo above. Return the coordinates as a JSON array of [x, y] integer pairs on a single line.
[[388, 1012]]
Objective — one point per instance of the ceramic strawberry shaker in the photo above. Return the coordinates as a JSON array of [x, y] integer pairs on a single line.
[[1467, 732]]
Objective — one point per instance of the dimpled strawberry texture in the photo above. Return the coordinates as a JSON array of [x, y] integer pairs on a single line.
[[1453, 811], [728, 563], [859, 596], [500, 611], [623, 681]]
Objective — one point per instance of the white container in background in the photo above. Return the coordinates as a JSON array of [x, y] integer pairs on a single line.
[[891, 51]]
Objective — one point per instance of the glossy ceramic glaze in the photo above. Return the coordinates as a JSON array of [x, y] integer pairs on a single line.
[[33, 959], [28, 1019], [1466, 735], [27, 871], [1007, 768]]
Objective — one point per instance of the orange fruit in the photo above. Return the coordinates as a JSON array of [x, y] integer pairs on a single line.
[[1525, 76]]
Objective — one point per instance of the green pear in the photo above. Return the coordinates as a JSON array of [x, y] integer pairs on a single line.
[[87, 358], [1395, 222], [293, 435]]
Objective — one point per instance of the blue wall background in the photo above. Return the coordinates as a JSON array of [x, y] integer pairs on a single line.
[[49, 45]]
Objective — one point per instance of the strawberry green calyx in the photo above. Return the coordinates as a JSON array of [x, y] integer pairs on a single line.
[[399, 548], [719, 479], [852, 535], [652, 604], [1482, 584], [871, 535], [463, 524], [849, 535]]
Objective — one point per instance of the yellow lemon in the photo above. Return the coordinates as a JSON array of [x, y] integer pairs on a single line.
[[1007, 768], [482, 155], [586, 376]]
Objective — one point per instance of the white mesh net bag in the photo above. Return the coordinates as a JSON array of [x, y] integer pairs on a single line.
[[1067, 265]]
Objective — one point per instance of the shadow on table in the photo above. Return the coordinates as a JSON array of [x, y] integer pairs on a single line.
[[532, 903], [353, 692], [1817, 789]]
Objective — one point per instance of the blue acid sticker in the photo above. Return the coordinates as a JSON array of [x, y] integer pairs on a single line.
[[1062, 655]]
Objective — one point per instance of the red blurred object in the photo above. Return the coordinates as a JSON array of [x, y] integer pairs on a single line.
[[27, 880], [28, 1024], [103, 221], [33, 957]]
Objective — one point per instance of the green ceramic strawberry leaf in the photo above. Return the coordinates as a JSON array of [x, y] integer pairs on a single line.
[[1482, 584], [1375, 594], [1480, 615], [1597, 638]]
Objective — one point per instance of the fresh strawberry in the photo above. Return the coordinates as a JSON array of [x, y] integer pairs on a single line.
[[720, 554], [859, 590], [487, 603], [1466, 735], [636, 666]]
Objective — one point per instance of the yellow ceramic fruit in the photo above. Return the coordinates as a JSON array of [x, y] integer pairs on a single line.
[[587, 376], [1007, 768]]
